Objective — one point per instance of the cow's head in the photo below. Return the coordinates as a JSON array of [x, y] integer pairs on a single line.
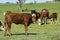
[[34, 18], [33, 12]]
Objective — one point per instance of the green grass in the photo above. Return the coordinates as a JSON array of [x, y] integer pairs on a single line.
[[36, 32]]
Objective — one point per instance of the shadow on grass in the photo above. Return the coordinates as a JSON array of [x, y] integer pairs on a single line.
[[24, 34], [44, 23], [1, 30]]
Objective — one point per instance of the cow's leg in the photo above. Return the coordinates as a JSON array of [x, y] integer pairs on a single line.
[[55, 20], [45, 20], [41, 19], [39, 22], [52, 21], [26, 29], [5, 29], [9, 28]]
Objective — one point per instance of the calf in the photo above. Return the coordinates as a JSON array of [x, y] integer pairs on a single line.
[[17, 18], [1, 26], [53, 18]]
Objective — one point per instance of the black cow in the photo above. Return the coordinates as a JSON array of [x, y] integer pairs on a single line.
[[35, 15]]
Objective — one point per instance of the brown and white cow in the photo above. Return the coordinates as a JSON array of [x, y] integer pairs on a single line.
[[44, 15], [53, 17], [17, 18], [1, 26]]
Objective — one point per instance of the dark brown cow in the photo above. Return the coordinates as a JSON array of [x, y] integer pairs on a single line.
[[44, 15], [1, 26], [17, 18], [53, 17]]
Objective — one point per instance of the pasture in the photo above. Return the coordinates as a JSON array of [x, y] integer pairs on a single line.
[[36, 32]]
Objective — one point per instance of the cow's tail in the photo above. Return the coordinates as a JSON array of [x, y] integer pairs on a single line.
[[4, 13]]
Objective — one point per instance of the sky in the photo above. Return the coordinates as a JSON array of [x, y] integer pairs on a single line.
[[27, 1]]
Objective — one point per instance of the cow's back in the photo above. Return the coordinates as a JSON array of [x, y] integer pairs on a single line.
[[53, 15], [45, 13]]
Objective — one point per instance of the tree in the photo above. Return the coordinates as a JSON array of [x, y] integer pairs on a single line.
[[24, 1], [20, 5], [20, 2], [56, 0], [7, 2], [35, 1]]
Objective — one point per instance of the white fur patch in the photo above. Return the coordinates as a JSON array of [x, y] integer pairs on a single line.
[[52, 21], [39, 22], [33, 14], [1, 28], [44, 11]]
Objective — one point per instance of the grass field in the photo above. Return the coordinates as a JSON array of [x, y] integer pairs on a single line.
[[36, 32]]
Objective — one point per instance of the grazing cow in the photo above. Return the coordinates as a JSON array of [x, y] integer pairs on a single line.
[[35, 15], [44, 15], [17, 18], [53, 18], [1, 26]]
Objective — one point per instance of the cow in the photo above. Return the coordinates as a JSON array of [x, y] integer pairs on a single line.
[[17, 18], [1, 26], [35, 15], [53, 17], [44, 15]]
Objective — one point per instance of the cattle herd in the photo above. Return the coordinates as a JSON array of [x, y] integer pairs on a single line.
[[26, 19]]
